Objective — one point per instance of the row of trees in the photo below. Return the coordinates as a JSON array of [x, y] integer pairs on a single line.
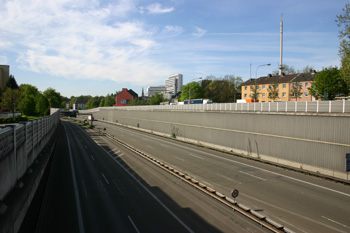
[[28, 99], [221, 90]]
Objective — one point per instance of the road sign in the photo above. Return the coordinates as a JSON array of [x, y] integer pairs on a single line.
[[235, 193]]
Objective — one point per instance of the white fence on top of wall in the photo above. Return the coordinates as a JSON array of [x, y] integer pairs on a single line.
[[340, 106]]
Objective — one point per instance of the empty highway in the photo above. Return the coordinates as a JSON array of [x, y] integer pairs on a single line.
[[95, 185], [300, 202]]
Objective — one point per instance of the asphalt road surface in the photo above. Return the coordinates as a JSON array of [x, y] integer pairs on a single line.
[[300, 202], [95, 185]]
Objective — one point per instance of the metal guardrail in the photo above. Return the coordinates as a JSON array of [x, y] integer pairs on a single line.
[[342, 106]]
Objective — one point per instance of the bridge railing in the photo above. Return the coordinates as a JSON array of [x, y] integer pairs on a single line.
[[20, 144], [342, 106]]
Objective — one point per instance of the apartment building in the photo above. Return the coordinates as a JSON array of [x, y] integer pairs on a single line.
[[4, 75], [173, 85], [153, 90], [282, 84]]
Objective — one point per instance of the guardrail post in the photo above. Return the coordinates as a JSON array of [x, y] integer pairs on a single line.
[[305, 106], [277, 107], [296, 106], [318, 105], [330, 106], [286, 106], [343, 105], [14, 148], [269, 106]]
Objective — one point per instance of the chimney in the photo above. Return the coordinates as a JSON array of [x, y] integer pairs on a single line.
[[269, 75]]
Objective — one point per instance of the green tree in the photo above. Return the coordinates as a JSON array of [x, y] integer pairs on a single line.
[[256, 93], [286, 69], [11, 83], [222, 90], [27, 103], [328, 84], [273, 90], [53, 97], [102, 103], [42, 106], [191, 90], [28, 106], [10, 99], [156, 100], [343, 22], [109, 101], [296, 90]]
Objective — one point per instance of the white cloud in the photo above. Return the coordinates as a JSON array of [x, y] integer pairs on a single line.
[[156, 8], [199, 32], [171, 31], [77, 39]]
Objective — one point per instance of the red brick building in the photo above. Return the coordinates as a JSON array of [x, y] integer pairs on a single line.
[[123, 98]]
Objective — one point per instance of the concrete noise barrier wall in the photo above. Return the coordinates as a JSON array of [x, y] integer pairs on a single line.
[[19, 147], [311, 142]]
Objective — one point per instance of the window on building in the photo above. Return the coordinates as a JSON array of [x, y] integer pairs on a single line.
[[123, 101], [270, 86], [263, 87], [306, 94], [251, 88], [277, 86], [284, 94], [257, 87], [245, 88], [284, 86], [301, 85], [300, 95], [306, 84], [251, 95], [263, 95], [245, 95]]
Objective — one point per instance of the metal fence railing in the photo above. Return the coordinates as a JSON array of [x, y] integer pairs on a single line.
[[342, 106]]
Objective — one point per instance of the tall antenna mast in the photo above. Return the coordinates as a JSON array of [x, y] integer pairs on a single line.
[[281, 48]]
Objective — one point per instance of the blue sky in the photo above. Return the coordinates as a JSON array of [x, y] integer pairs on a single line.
[[96, 47]]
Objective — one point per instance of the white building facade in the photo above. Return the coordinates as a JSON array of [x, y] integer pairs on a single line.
[[173, 85], [152, 91]]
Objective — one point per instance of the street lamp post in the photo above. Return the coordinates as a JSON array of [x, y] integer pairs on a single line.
[[256, 77], [189, 90]]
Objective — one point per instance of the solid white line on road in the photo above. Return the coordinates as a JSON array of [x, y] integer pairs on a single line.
[[336, 222], [105, 178], [84, 188], [195, 156], [179, 158], [257, 177], [92, 157], [225, 177], [164, 145], [132, 222], [121, 192], [75, 186], [116, 150], [288, 224]]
